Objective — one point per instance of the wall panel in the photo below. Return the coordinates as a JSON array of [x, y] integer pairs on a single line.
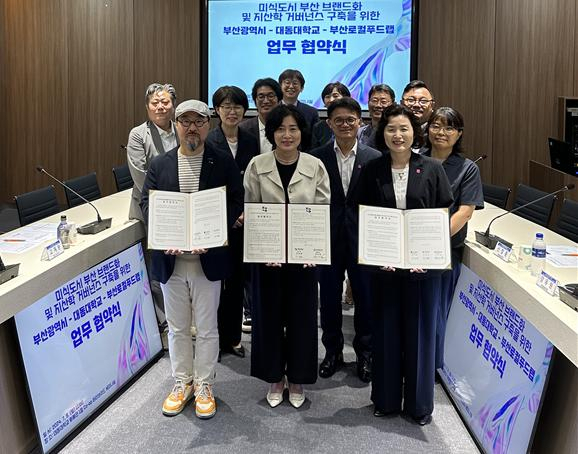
[[456, 59], [101, 77], [162, 54], [534, 54], [576, 50], [35, 93]]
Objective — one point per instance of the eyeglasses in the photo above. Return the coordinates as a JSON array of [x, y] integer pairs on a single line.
[[289, 82], [380, 102], [269, 96], [230, 107], [412, 101], [435, 128], [199, 122], [340, 121]]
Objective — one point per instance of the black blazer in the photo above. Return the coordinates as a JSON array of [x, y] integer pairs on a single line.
[[321, 134], [251, 126], [247, 146], [218, 169], [344, 207], [309, 112]]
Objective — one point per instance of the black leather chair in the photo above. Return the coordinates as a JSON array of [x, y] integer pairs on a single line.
[[567, 224], [36, 205], [538, 212], [87, 186], [122, 178], [496, 195]]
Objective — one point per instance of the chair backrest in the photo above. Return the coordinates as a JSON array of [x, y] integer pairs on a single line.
[[87, 186], [538, 212], [36, 205], [496, 195], [122, 178], [567, 224]]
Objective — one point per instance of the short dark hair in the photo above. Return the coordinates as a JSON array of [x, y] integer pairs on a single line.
[[341, 88], [452, 118], [292, 74], [230, 93], [382, 87], [267, 82], [276, 117], [346, 103], [395, 110], [415, 84]]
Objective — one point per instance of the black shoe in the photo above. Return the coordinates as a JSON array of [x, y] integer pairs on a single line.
[[364, 369], [422, 420], [330, 364], [379, 413], [237, 351]]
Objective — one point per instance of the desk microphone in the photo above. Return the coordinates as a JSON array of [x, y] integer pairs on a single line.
[[490, 241], [481, 158], [92, 227]]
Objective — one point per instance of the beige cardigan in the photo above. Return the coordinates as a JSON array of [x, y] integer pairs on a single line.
[[309, 183]]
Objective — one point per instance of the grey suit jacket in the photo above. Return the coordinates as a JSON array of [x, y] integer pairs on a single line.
[[143, 145]]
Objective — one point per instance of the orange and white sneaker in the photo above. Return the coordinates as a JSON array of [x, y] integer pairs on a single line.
[[205, 405], [178, 398]]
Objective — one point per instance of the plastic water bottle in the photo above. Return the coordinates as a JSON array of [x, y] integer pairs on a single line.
[[538, 254], [63, 232]]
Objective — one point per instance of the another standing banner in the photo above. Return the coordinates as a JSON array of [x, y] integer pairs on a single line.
[[81, 342], [496, 364]]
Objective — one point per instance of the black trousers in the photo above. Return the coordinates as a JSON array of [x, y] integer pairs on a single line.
[[405, 311], [284, 324], [230, 314], [331, 279], [449, 280]]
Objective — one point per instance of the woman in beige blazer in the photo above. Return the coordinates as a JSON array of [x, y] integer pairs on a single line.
[[284, 331]]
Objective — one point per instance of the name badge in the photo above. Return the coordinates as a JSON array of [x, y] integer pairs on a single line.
[[547, 283], [503, 251], [52, 250]]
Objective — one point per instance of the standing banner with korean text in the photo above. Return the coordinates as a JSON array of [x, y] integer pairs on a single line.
[[359, 43], [81, 342], [496, 366]]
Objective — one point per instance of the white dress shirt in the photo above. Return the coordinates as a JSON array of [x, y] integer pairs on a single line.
[[345, 164]]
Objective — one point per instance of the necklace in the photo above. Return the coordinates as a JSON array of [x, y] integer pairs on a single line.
[[286, 162]]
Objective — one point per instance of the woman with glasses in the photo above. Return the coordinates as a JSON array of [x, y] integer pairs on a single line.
[[230, 104], [444, 143], [284, 331], [404, 301]]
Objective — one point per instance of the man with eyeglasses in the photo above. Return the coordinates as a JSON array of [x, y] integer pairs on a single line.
[[419, 99], [344, 159], [266, 94], [292, 83], [155, 136], [380, 96], [191, 280]]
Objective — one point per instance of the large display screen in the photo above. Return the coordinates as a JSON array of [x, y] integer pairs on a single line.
[[357, 43], [81, 342], [496, 366]]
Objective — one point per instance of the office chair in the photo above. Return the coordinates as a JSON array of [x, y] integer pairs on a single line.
[[122, 178], [36, 205], [87, 186], [539, 212], [567, 224], [496, 195]]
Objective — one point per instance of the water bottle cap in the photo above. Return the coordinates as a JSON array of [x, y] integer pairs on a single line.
[[63, 217], [539, 235]]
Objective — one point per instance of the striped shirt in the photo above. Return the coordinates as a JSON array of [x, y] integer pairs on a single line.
[[189, 172]]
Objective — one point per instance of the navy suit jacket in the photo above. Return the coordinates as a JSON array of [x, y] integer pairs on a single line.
[[344, 207], [309, 113], [247, 146], [218, 169]]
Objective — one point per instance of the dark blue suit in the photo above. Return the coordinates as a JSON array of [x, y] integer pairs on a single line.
[[230, 314], [309, 113], [218, 169], [344, 255], [405, 305]]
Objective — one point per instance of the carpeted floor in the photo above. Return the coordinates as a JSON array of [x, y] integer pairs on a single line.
[[336, 418]]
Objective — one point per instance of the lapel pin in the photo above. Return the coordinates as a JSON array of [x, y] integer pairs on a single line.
[[418, 170]]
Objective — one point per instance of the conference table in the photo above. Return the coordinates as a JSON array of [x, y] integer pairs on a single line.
[[554, 319]]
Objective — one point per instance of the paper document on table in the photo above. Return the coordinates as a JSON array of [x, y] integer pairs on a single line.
[[562, 256], [309, 234], [404, 238], [185, 221], [25, 238], [264, 233]]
